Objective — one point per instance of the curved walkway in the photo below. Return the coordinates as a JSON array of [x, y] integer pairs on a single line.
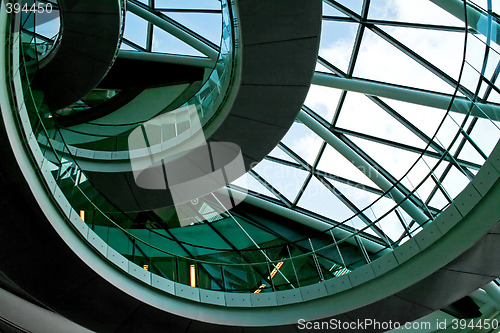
[[278, 52], [90, 34]]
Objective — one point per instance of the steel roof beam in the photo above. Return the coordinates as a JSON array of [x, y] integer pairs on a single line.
[[363, 166], [175, 30], [399, 186], [396, 24], [337, 193], [420, 151], [409, 95], [341, 231], [168, 58]]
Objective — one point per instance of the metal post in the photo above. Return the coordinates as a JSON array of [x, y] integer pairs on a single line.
[[224, 288]]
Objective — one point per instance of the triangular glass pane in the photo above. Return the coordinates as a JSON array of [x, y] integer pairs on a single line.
[[279, 153], [337, 41], [303, 142], [431, 162], [440, 169], [391, 226], [362, 200], [318, 199], [490, 69], [248, 182], [471, 76], [136, 29], [354, 5], [362, 115], [287, 180], [406, 219], [448, 129], [485, 134], [470, 154], [358, 224], [414, 11], [380, 207], [124, 46], [440, 48], [455, 182], [166, 43], [420, 171], [323, 100], [396, 161], [331, 11], [379, 60], [425, 118], [333, 162], [206, 25], [460, 122], [438, 200], [424, 190]]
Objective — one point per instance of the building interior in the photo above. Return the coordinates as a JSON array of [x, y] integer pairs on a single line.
[[250, 166]]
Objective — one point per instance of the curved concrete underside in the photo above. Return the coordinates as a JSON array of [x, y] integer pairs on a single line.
[[279, 46], [150, 102], [131, 77], [90, 34]]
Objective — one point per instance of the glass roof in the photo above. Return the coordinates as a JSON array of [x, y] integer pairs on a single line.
[[414, 144], [414, 44], [400, 116]]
